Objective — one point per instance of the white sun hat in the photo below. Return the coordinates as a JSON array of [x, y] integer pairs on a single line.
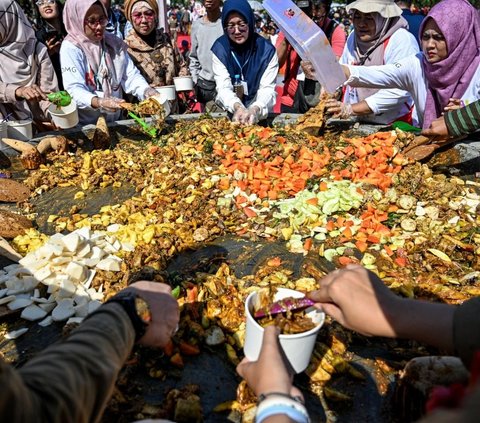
[[386, 8]]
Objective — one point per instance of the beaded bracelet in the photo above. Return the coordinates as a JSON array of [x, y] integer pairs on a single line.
[[279, 403]]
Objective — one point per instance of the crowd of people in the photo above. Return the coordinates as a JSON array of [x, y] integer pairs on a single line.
[[120, 53]]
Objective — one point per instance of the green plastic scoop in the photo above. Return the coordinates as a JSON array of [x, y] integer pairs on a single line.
[[405, 127], [145, 126], [60, 98]]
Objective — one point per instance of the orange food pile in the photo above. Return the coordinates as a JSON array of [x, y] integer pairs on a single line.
[[271, 175]]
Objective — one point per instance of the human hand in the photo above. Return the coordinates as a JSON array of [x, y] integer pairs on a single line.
[[240, 114], [164, 310], [359, 300], [269, 373], [53, 45], [453, 104], [109, 104], [150, 92], [438, 128], [30, 93], [338, 109], [308, 69], [252, 117]]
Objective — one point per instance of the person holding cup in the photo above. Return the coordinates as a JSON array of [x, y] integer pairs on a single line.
[[358, 300], [96, 67], [150, 47]]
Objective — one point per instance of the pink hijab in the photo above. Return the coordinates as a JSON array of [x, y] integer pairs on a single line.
[[110, 76], [460, 24], [17, 46]]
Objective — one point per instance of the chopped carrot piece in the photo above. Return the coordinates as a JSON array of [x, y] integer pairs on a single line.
[[249, 212]]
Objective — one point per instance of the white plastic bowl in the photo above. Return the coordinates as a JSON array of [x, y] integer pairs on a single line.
[[164, 103], [64, 117], [297, 347], [20, 129], [183, 83], [167, 92]]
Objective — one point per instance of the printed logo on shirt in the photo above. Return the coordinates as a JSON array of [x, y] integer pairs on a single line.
[[69, 69]]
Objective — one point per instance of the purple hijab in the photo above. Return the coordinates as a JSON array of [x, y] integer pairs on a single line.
[[460, 24]]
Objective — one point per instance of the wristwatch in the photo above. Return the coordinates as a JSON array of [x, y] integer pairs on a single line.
[[136, 308]]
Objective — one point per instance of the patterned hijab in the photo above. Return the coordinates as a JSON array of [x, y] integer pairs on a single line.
[[17, 46], [459, 22], [129, 6], [101, 55]]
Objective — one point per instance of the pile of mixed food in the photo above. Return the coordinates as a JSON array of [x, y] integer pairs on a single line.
[[345, 199]]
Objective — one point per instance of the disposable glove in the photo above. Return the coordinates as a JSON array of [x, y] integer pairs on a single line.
[[240, 115], [308, 70], [338, 109], [150, 92], [252, 117], [110, 104]]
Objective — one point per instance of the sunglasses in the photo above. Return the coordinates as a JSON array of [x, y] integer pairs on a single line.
[[93, 23], [149, 15], [241, 26], [44, 2]]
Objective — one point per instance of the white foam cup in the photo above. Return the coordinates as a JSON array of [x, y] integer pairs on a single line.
[[183, 83], [297, 347], [167, 92], [64, 117], [20, 129]]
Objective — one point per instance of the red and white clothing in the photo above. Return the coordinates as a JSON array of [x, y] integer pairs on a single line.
[[387, 105]]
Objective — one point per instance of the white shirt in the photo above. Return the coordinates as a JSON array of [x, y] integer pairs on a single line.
[[75, 67], [407, 74], [265, 96], [390, 104]]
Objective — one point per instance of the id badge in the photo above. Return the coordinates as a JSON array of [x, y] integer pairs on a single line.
[[245, 87]]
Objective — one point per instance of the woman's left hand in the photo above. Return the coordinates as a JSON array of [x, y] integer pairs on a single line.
[[338, 109], [150, 92], [453, 104], [270, 372], [30, 93]]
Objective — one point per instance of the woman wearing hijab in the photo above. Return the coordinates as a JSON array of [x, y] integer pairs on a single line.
[[380, 36], [26, 71], [244, 58], [51, 32], [149, 47], [446, 74], [96, 67]]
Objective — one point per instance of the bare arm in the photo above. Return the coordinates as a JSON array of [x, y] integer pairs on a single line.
[[359, 300]]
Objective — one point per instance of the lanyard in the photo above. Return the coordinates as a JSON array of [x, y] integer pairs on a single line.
[[99, 78], [239, 65]]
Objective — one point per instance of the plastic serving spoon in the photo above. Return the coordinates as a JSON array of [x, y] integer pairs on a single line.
[[405, 127], [284, 305], [146, 127]]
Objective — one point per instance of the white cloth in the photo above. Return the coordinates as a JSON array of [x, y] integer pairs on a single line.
[[389, 104], [265, 96], [406, 74], [203, 35], [75, 73]]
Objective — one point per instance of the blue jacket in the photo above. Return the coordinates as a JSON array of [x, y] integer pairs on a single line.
[[251, 59]]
